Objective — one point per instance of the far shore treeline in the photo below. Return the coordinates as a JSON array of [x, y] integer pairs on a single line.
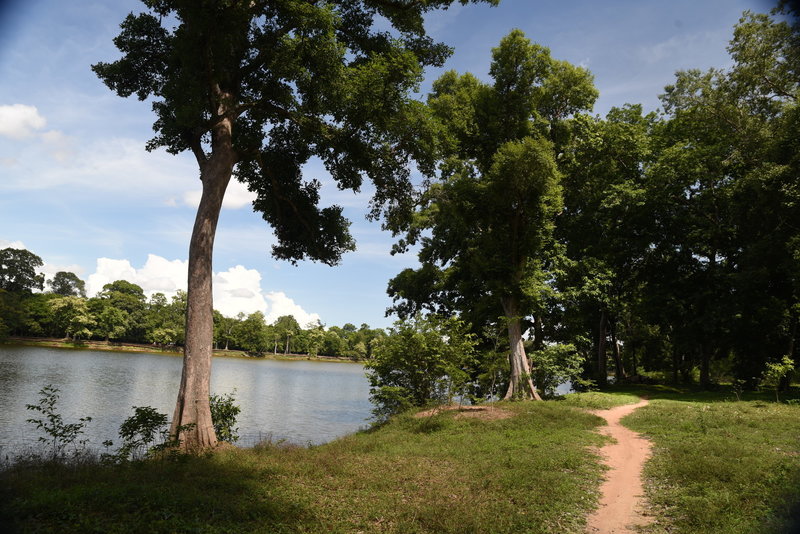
[[121, 312]]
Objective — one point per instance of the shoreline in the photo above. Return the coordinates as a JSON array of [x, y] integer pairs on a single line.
[[110, 346]]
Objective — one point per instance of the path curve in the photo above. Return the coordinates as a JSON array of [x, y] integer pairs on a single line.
[[622, 493]]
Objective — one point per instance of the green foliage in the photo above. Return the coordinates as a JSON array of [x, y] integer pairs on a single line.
[[18, 270], [421, 361], [554, 365], [67, 284], [776, 372], [60, 435], [223, 415], [139, 433], [72, 317]]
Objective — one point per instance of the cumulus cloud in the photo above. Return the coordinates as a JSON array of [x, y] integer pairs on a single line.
[[50, 269], [12, 244], [236, 196], [19, 121], [236, 290]]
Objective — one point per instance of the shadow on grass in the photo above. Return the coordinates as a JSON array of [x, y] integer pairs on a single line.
[[718, 393], [226, 492]]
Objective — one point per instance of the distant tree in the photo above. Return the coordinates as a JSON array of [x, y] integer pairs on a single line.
[[67, 284], [18, 270], [261, 87], [112, 322], [286, 326], [251, 334], [72, 317]]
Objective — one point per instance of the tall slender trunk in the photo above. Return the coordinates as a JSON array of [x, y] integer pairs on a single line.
[[602, 358], [619, 368], [520, 385], [786, 380], [705, 366], [192, 408]]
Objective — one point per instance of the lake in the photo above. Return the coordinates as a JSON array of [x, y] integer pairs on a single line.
[[298, 401]]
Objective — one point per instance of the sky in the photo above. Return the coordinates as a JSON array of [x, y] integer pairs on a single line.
[[78, 188]]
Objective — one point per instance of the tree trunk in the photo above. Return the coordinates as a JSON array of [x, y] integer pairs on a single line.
[[620, 369], [602, 358], [705, 366], [192, 408], [520, 385]]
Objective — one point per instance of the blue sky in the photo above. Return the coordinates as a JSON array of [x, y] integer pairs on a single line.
[[78, 188]]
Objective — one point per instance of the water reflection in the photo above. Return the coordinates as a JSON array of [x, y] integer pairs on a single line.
[[301, 402]]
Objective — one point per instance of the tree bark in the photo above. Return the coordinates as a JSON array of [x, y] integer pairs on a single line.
[[520, 385], [192, 408], [602, 358], [620, 369], [705, 366]]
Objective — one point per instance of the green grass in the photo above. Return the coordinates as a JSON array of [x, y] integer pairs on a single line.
[[720, 465], [530, 473]]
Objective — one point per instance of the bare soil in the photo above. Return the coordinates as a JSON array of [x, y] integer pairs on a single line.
[[622, 494]]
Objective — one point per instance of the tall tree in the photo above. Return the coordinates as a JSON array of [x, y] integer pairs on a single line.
[[66, 284], [260, 87], [491, 215], [18, 270]]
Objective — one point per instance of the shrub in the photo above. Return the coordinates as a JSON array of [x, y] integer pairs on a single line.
[[223, 414], [60, 434], [422, 361], [555, 365]]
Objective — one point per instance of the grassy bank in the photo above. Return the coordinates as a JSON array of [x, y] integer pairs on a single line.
[[527, 473], [154, 349], [719, 465]]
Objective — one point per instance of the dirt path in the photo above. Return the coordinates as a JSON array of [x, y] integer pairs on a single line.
[[622, 496]]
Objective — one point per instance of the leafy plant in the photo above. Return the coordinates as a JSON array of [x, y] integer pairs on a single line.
[[139, 433], [775, 371], [422, 361], [223, 415], [59, 434], [555, 365]]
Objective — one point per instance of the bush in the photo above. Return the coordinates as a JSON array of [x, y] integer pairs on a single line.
[[59, 434], [555, 365], [422, 361], [223, 414]]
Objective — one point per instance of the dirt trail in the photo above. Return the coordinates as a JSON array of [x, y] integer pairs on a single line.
[[622, 496]]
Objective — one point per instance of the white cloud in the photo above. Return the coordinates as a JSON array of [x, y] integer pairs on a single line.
[[12, 244], [59, 145], [19, 121], [51, 269], [108, 165], [280, 305], [236, 196], [236, 290]]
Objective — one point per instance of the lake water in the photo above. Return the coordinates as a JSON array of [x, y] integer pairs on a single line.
[[298, 401]]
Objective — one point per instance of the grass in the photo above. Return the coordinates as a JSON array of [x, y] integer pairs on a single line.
[[529, 473], [719, 466]]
